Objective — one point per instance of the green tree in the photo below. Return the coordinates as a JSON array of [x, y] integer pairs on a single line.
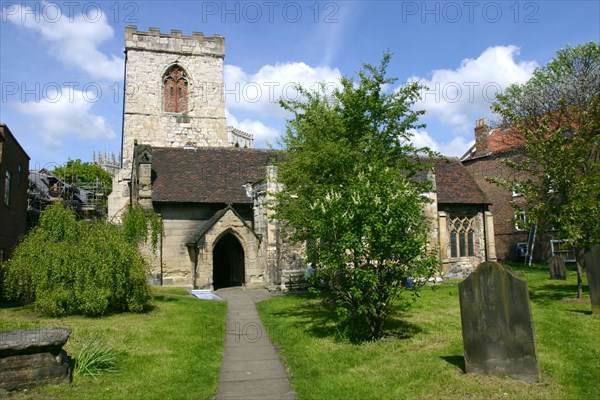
[[557, 113], [65, 266], [350, 188], [76, 172]]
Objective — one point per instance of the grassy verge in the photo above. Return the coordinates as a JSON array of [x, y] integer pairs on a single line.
[[423, 356], [171, 352]]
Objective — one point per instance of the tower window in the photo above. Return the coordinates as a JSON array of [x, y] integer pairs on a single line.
[[175, 84]]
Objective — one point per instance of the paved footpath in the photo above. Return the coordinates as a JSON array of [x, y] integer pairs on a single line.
[[251, 367]]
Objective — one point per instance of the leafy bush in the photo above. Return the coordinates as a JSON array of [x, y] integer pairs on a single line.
[[94, 358], [69, 267]]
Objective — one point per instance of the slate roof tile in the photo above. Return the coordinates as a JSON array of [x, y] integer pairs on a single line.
[[455, 185], [207, 174]]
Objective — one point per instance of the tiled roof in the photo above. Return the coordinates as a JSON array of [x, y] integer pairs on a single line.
[[499, 140], [455, 185], [207, 225], [207, 174], [218, 175]]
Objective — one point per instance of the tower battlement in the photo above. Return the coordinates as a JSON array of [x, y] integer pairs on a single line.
[[174, 42]]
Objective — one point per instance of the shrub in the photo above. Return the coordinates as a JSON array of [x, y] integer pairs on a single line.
[[69, 267]]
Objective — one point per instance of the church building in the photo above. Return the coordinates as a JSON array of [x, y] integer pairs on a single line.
[[211, 187]]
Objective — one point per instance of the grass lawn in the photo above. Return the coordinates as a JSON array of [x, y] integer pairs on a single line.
[[171, 352], [423, 358]]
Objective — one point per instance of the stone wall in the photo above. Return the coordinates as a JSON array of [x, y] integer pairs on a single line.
[[239, 138], [461, 267], [431, 212], [181, 223]]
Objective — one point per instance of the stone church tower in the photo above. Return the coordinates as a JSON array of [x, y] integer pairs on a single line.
[[173, 98], [173, 90]]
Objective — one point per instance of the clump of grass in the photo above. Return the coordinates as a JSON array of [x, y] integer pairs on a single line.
[[94, 358]]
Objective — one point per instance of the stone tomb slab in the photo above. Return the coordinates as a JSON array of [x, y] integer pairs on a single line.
[[557, 267], [592, 266], [33, 357], [497, 327]]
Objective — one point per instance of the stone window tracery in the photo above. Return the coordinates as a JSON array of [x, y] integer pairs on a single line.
[[462, 237], [175, 97]]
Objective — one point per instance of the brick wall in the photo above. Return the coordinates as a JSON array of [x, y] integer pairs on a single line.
[[506, 235], [13, 217]]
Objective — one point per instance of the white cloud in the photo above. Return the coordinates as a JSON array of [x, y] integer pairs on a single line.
[[263, 135], [66, 115], [455, 148], [74, 39], [260, 92], [460, 96], [330, 35]]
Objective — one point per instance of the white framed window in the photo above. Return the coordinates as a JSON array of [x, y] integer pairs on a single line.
[[520, 221], [564, 249]]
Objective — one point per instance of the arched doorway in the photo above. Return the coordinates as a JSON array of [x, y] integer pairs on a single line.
[[228, 262]]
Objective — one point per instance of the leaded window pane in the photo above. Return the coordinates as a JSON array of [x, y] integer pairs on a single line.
[[453, 245], [470, 245]]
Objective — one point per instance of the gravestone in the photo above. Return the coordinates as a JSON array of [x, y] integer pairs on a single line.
[[33, 357], [592, 266], [497, 327], [557, 267]]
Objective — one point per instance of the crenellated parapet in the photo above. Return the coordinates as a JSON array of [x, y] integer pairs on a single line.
[[174, 42]]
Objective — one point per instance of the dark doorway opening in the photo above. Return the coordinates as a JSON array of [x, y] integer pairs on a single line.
[[228, 263]]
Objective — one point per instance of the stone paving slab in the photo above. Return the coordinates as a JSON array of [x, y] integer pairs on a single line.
[[262, 352], [275, 388], [235, 340], [251, 367], [247, 376]]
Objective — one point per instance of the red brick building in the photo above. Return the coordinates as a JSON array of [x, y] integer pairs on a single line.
[[14, 171], [484, 160]]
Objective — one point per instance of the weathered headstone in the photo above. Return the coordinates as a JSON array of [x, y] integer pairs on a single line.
[[33, 357], [558, 270], [497, 327], [592, 266]]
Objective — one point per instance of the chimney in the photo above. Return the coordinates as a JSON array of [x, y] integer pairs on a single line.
[[481, 138]]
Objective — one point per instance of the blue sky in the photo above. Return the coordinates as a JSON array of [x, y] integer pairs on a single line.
[[61, 64]]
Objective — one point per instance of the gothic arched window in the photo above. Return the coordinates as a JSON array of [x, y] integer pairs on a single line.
[[175, 97], [461, 237]]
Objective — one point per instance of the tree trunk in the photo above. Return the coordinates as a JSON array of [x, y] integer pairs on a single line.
[[579, 281]]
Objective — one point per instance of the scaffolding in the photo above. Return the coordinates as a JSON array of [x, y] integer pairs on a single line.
[[88, 199]]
